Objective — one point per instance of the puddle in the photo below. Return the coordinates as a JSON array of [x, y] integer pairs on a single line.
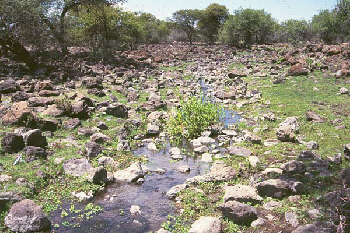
[[150, 196]]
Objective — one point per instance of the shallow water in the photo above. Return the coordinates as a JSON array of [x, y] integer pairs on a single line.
[[150, 196]]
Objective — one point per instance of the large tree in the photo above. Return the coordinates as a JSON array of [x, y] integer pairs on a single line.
[[212, 18], [187, 20]]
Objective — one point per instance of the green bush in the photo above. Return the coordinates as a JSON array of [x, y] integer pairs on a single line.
[[192, 118]]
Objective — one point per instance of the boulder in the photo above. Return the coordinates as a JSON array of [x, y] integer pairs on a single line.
[[35, 138], [238, 212], [12, 143], [279, 188], [72, 123], [33, 152], [93, 149], [206, 225], [8, 86], [172, 193], [297, 70], [288, 129], [241, 193], [19, 114], [117, 110], [130, 174], [25, 216], [239, 151]]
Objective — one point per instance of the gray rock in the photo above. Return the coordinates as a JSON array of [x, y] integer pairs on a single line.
[[238, 212], [35, 138], [241, 193], [291, 218], [82, 168], [12, 143], [172, 193], [72, 124], [279, 188], [309, 228], [239, 151], [93, 149], [99, 138], [206, 225], [35, 152], [25, 216], [288, 129], [152, 129], [347, 150], [293, 167], [130, 174], [117, 110]]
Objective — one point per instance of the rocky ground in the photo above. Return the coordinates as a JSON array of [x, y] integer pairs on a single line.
[[70, 134]]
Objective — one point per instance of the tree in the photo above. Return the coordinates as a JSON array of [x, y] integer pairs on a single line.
[[187, 20], [246, 27], [325, 24], [212, 18], [294, 30]]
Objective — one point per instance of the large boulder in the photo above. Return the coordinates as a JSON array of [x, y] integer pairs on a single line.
[[288, 129], [117, 110], [25, 216], [8, 86], [279, 188], [241, 193], [238, 212], [82, 168], [35, 138], [19, 114], [130, 174], [12, 143], [206, 225], [93, 149]]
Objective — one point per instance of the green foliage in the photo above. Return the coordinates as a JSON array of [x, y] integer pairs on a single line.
[[212, 18], [246, 27], [192, 118], [294, 31], [325, 24], [186, 20]]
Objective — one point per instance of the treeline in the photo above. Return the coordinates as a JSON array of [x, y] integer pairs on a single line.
[[103, 24]]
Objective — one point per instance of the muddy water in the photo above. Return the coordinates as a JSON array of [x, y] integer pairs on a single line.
[[150, 196]]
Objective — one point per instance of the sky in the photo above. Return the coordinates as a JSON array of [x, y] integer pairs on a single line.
[[279, 9]]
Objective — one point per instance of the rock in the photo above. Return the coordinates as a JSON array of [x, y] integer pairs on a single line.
[[204, 140], [309, 228], [253, 161], [130, 174], [206, 225], [44, 85], [175, 153], [343, 91], [206, 157], [19, 114], [293, 167], [102, 126], [239, 151], [117, 110], [288, 129], [9, 86], [201, 149], [291, 218], [106, 161], [152, 129], [347, 150], [33, 152], [297, 70], [184, 169], [25, 216], [80, 110], [312, 116], [40, 101], [258, 222], [270, 171], [278, 188], [345, 176], [135, 210], [81, 196], [172, 193], [271, 205], [239, 213], [5, 178], [35, 138], [72, 124], [152, 146], [99, 138], [93, 149], [12, 143], [221, 172], [241, 193], [82, 168]]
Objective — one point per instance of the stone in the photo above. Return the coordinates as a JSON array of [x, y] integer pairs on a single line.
[[271, 205], [172, 193], [102, 126], [106, 161], [184, 169], [93, 149], [12, 143], [278, 188], [239, 151], [291, 218], [257, 223], [99, 138], [253, 161], [238, 212], [19, 114], [345, 176], [312, 116], [130, 174], [8, 86], [347, 150], [309, 228], [33, 152], [152, 129], [135, 210], [152, 146], [5, 178], [221, 172], [343, 91], [40, 101], [25, 216], [35, 138], [206, 157], [241, 193], [288, 129], [117, 110], [206, 224], [72, 123], [297, 70], [82, 168], [201, 149], [82, 196], [293, 167]]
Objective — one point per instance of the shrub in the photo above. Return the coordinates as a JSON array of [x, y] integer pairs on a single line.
[[192, 118]]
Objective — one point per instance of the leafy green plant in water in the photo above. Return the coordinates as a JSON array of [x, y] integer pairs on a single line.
[[192, 118]]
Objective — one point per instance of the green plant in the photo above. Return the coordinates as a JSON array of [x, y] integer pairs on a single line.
[[192, 118]]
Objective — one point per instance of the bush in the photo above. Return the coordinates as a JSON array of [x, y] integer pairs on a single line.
[[325, 25], [192, 118], [294, 31], [247, 27]]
